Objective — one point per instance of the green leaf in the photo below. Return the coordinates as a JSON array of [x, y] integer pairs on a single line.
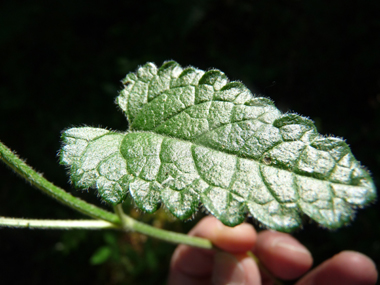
[[101, 255], [197, 139]]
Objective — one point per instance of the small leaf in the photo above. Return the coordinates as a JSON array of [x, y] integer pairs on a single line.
[[101, 255], [196, 138]]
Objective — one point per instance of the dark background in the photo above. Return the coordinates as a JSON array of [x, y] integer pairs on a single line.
[[61, 63]]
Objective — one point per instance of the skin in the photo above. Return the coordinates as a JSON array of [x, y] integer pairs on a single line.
[[280, 253]]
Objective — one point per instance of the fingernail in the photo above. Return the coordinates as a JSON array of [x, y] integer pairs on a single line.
[[227, 270], [289, 245]]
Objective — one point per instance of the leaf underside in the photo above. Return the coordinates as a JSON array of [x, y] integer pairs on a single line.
[[197, 139]]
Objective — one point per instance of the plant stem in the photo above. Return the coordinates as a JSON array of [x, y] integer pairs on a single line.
[[172, 237], [56, 224], [36, 179], [129, 224]]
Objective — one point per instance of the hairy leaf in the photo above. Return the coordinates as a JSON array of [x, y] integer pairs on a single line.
[[196, 138]]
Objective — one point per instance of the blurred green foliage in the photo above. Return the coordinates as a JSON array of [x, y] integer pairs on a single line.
[[61, 63]]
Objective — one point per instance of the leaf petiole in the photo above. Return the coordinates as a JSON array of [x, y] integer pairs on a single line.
[[172, 237]]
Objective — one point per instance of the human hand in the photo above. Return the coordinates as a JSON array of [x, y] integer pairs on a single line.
[[280, 253]]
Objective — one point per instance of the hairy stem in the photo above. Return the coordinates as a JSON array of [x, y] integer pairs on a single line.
[[36, 179], [133, 225]]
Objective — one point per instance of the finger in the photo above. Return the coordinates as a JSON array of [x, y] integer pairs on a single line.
[[235, 269], [237, 239], [347, 267], [191, 265], [282, 255]]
